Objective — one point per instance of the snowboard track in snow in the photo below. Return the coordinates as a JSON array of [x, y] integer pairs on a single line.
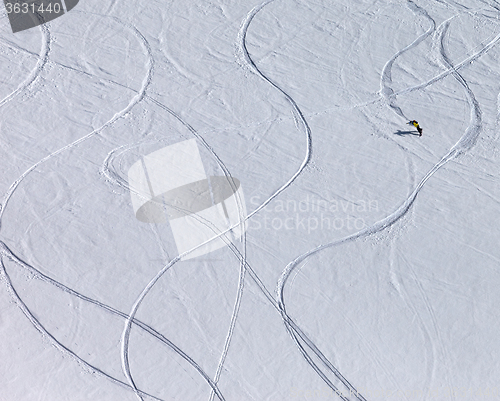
[[140, 95], [6, 252], [304, 344], [293, 329], [43, 57], [466, 142], [117, 180], [243, 264]]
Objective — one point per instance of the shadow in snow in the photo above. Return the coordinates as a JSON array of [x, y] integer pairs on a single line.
[[401, 133]]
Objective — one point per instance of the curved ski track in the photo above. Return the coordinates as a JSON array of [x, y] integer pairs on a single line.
[[474, 105], [34, 321], [43, 57], [292, 328], [141, 94], [385, 89], [295, 331], [115, 178], [135, 100], [457, 67], [5, 251], [139, 300], [466, 142]]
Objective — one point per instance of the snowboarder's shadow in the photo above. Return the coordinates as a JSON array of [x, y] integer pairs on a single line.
[[401, 133]]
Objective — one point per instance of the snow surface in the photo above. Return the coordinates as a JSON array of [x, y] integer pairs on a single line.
[[371, 263]]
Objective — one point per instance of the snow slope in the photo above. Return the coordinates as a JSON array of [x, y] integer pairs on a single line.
[[370, 267]]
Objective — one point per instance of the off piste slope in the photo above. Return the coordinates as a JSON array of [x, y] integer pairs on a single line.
[[369, 267]]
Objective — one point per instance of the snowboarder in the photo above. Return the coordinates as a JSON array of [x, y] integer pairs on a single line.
[[415, 124]]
